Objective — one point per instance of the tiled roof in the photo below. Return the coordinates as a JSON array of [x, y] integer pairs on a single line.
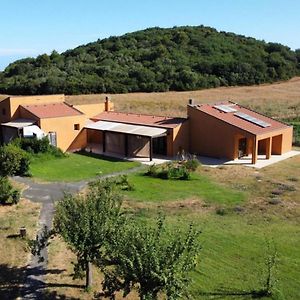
[[231, 118], [139, 119], [52, 110]]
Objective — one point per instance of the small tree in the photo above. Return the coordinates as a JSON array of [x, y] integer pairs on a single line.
[[13, 161], [86, 223], [8, 195], [155, 260]]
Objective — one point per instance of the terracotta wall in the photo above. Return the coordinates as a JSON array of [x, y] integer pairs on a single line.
[[180, 138], [281, 140], [79, 142], [64, 128], [210, 136], [91, 110]]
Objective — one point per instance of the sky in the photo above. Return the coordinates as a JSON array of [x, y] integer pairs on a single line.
[[33, 27]]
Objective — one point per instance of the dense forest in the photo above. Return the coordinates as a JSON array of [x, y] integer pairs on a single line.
[[155, 59]]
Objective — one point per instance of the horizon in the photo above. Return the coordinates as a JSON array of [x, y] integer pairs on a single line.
[[36, 28]]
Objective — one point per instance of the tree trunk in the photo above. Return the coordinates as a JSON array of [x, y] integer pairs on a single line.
[[88, 275]]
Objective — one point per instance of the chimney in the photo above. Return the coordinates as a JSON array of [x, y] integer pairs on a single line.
[[191, 101], [107, 104]]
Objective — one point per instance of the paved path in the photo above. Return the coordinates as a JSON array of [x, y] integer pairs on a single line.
[[47, 194]]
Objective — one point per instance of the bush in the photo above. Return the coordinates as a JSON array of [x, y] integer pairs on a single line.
[[192, 164], [8, 195], [13, 161], [57, 152], [172, 170], [33, 145]]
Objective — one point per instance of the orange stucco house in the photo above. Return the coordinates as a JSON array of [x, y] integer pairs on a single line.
[[229, 130], [46, 115], [223, 130]]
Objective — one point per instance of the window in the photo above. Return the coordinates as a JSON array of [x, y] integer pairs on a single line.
[[76, 126], [3, 111]]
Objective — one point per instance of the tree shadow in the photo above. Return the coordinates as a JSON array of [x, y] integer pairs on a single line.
[[27, 282]]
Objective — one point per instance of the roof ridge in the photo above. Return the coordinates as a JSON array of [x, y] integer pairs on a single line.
[[141, 114]]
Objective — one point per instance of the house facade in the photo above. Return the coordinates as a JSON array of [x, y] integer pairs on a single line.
[[222, 130], [57, 119]]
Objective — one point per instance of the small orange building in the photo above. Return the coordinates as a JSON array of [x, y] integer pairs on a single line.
[[47, 115], [229, 130]]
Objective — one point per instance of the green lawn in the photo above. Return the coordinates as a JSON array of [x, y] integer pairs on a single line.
[[149, 189], [76, 167], [234, 252]]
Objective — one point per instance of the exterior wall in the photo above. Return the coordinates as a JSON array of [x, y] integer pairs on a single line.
[[5, 107], [91, 110], [79, 142], [281, 140], [180, 138], [31, 100], [212, 137], [94, 136], [287, 140], [64, 128]]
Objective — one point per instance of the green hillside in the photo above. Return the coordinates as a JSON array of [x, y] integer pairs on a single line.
[[155, 59]]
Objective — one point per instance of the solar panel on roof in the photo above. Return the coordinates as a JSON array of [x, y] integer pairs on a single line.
[[252, 119], [225, 108]]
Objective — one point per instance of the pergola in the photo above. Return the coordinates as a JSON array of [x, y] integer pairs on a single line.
[[127, 130]]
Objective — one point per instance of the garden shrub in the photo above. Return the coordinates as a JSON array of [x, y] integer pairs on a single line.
[[8, 195], [192, 164], [13, 161], [172, 170], [33, 145]]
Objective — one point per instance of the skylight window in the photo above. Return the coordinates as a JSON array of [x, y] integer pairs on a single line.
[[225, 108], [252, 119]]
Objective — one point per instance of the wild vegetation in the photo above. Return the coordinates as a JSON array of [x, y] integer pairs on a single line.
[[151, 60]]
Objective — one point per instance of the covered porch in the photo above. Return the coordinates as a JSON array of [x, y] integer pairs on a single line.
[[257, 147], [126, 140]]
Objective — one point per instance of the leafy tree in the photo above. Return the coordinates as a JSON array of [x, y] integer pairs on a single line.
[[86, 222], [153, 259]]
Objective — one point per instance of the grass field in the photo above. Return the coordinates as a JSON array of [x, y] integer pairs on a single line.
[[14, 251], [200, 187], [76, 167], [234, 243], [279, 100]]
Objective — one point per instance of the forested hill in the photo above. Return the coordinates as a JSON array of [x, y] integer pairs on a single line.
[[155, 59]]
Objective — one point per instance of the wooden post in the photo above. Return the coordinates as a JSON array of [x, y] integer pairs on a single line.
[[126, 145], [103, 143], [254, 150], [268, 147], [151, 146], [23, 232]]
